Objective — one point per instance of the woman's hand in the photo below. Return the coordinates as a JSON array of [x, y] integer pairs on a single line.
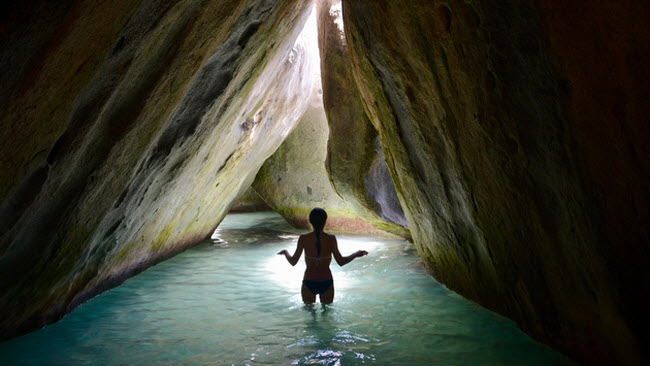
[[360, 253], [293, 259]]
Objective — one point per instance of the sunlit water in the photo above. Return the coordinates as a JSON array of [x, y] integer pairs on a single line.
[[232, 300]]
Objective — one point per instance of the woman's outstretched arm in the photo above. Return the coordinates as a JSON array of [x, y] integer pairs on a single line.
[[293, 259], [341, 260]]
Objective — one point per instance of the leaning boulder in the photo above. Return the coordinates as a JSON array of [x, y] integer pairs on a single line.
[[516, 133], [355, 162], [131, 127]]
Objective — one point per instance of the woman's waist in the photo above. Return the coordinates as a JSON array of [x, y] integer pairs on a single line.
[[317, 275]]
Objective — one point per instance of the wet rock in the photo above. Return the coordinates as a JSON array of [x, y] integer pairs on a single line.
[[514, 133]]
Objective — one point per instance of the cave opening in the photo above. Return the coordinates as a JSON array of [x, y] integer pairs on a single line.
[[315, 165]]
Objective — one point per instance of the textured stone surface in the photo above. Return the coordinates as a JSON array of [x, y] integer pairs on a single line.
[[515, 134], [294, 180], [129, 129], [355, 162]]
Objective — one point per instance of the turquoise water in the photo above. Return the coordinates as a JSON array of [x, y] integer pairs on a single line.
[[232, 301]]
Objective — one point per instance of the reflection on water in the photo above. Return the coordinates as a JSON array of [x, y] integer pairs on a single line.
[[232, 301]]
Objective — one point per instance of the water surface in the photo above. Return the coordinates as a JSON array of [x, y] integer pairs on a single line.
[[232, 301]]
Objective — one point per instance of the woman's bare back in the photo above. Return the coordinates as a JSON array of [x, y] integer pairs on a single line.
[[318, 265]]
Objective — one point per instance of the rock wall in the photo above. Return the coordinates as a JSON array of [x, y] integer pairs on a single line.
[[128, 130], [355, 162], [515, 133]]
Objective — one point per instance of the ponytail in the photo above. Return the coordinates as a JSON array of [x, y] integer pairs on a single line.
[[317, 218], [317, 240]]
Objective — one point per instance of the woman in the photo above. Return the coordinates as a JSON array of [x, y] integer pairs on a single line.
[[319, 248]]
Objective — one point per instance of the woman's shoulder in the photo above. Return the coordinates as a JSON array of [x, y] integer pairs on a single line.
[[329, 236], [321, 235], [306, 236]]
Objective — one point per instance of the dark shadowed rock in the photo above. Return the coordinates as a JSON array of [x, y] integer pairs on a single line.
[[514, 132]]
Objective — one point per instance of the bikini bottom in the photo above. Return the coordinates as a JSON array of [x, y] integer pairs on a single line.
[[318, 287]]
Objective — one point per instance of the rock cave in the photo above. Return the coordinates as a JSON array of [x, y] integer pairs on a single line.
[[504, 140]]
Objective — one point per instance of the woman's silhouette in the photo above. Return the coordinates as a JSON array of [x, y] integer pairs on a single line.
[[319, 248]]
